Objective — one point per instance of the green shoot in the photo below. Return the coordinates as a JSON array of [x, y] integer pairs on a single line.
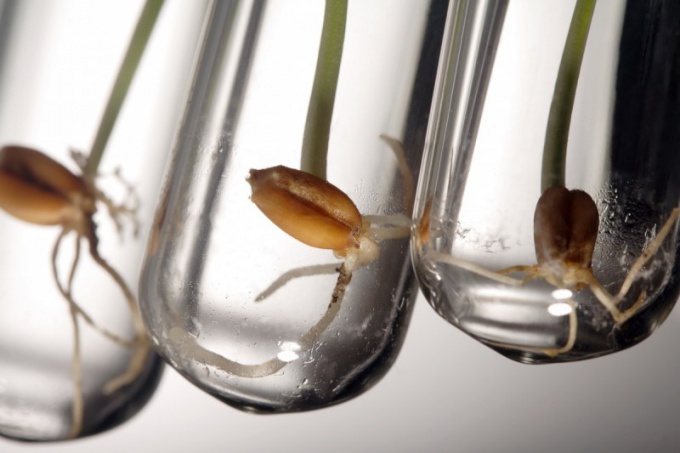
[[557, 132], [320, 111], [121, 86]]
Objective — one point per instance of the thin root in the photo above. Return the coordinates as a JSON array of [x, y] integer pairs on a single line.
[[305, 271], [78, 409], [344, 278], [140, 343], [406, 174], [127, 209], [647, 254], [479, 270], [68, 295], [137, 362], [78, 393]]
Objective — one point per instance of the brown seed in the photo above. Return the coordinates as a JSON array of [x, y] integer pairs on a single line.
[[306, 207], [565, 227], [36, 188]]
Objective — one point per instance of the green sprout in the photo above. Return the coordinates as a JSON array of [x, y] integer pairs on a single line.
[[557, 131], [314, 154], [121, 86]]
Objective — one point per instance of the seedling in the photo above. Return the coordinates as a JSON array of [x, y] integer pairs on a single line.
[[320, 215], [313, 211], [39, 190], [566, 224]]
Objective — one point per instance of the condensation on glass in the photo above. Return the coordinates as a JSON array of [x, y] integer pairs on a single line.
[[212, 251], [58, 61], [482, 177]]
